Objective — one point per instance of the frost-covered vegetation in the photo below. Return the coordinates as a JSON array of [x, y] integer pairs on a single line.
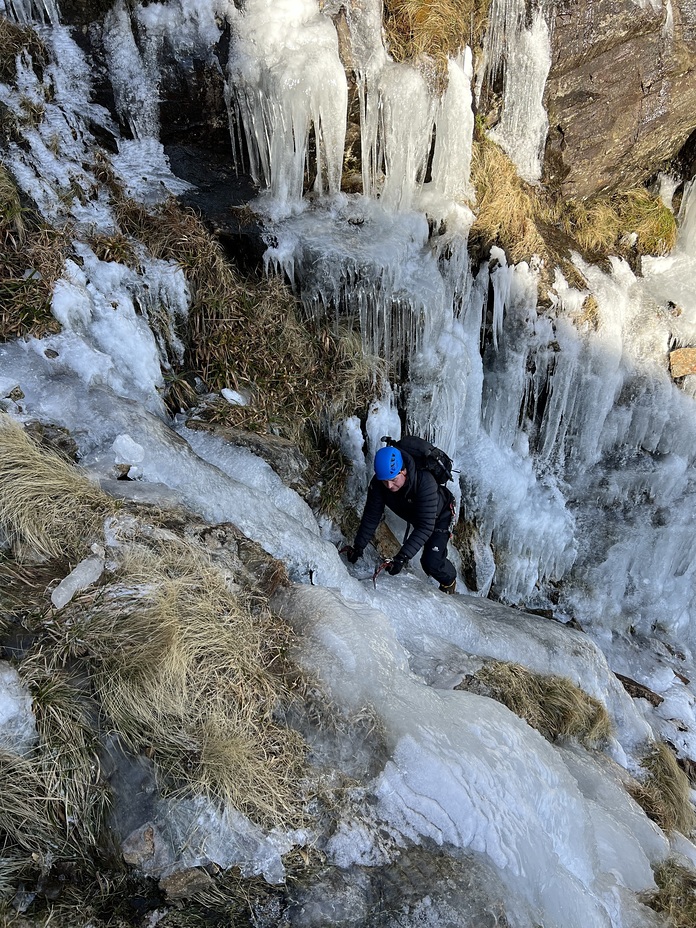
[[173, 653]]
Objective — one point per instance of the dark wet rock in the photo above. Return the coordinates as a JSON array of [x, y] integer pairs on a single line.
[[192, 101], [82, 12], [16, 640], [220, 195], [639, 691], [423, 886], [54, 438], [133, 788]]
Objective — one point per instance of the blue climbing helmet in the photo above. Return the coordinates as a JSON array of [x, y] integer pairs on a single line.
[[388, 463]]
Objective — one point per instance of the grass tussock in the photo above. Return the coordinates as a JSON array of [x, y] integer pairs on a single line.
[[246, 334], [507, 208], [11, 871], [330, 480], [15, 39], [610, 223], [32, 257], [23, 590], [67, 757], [526, 220], [29, 819], [46, 504], [676, 894], [433, 30], [552, 705], [193, 674], [665, 795], [11, 212], [117, 247]]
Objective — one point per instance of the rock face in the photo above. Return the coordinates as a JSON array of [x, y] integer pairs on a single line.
[[621, 93]]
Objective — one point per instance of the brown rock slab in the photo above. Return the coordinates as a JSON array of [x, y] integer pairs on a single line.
[[185, 883], [682, 361]]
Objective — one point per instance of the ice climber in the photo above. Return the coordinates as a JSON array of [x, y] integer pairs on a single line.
[[415, 496]]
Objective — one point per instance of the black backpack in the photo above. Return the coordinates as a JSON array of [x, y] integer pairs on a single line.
[[426, 456]]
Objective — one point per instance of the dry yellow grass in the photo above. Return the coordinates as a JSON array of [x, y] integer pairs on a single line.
[[527, 221], [32, 257], [13, 40], [193, 673], [553, 705], [676, 894], [647, 216], [11, 213], [432, 29], [28, 818], [116, 247], [506, 208], [45, 502], [595, 225], [666, 793], [604, 224], [247, 334], [67, 756]]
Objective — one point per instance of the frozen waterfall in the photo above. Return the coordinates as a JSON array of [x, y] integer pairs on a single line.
[[560, 422], [557, 423], [574, 447], [523, 125]]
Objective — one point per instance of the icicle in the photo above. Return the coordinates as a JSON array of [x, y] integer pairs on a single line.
[[368, 57], [27, 12], [135, 79], [186, 26], [369, 125], [687, 220], [454, 128], [587, 377], [407, 108], [501, 278], [668, 184], [523, 125], [286, 78], [505, 18], [668, 24]]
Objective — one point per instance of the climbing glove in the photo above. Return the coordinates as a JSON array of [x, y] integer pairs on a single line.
[[353, 554], [396, 565]]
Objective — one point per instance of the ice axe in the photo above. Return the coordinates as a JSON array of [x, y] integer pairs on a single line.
[[379, 569]]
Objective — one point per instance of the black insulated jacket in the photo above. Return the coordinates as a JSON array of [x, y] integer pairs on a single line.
[[420, 502]]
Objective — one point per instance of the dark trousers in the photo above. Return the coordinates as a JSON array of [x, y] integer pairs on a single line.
[[434, 558]]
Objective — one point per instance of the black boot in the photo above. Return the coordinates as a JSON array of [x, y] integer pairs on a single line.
[[450, 588]]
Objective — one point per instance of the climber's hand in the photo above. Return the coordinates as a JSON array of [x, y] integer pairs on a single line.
[[396, 565]]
